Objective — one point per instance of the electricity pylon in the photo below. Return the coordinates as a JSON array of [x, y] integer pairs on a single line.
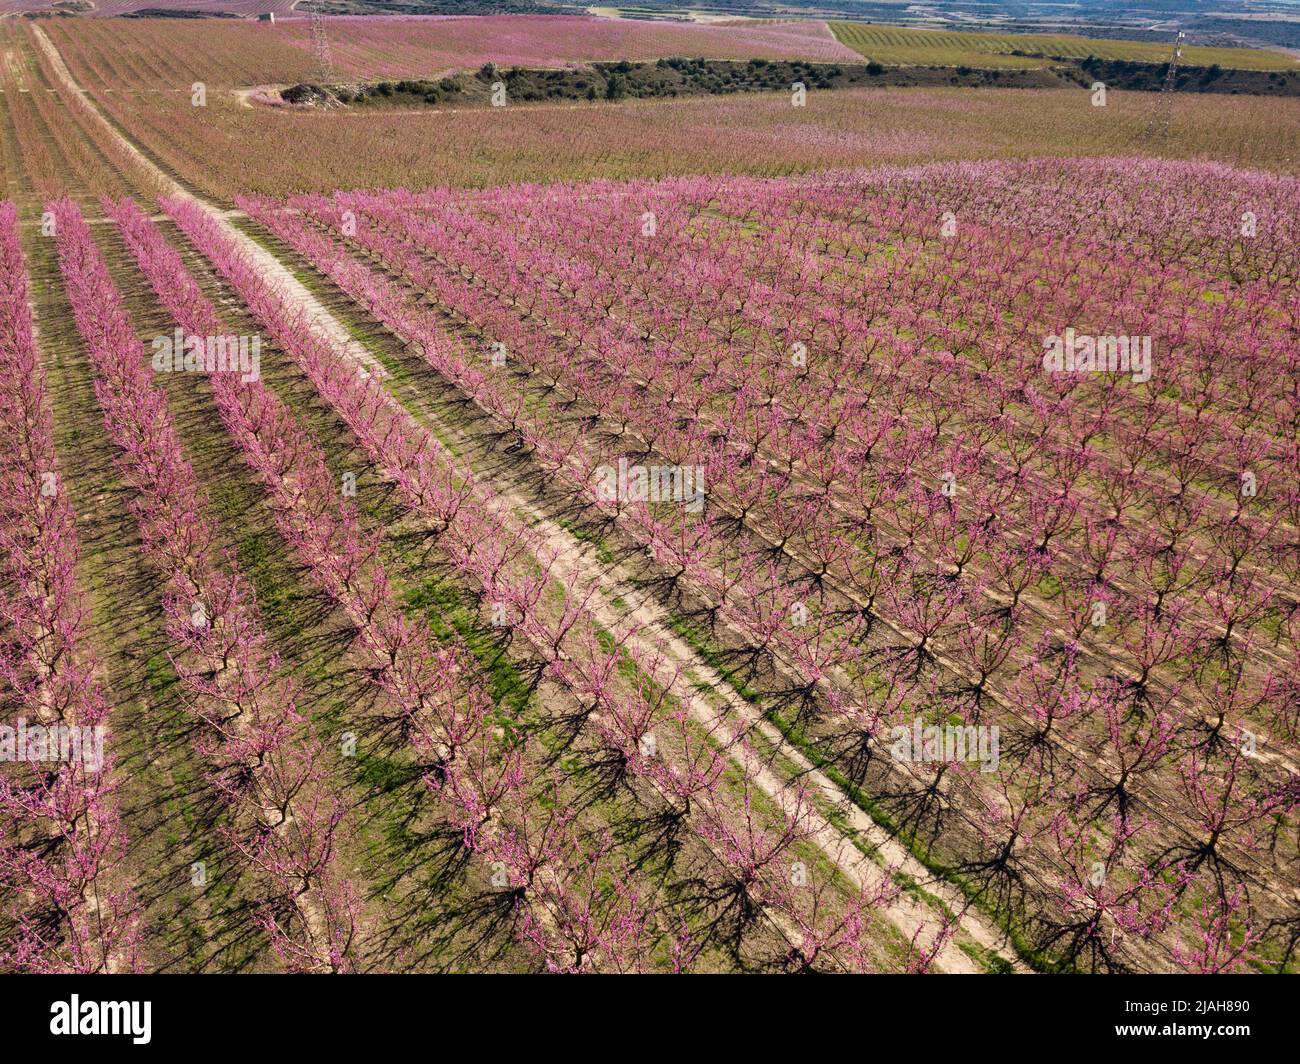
[[1159, 124], [321, 49]]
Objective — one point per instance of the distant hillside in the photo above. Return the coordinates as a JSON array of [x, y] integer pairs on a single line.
[[441, 7]]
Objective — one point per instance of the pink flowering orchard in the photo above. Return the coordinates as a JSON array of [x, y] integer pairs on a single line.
[[454, 520]]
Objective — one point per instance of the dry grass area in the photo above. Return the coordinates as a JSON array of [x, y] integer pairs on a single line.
[[906, 44], [382, 656]]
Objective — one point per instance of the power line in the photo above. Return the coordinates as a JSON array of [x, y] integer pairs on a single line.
[[1159, 124]]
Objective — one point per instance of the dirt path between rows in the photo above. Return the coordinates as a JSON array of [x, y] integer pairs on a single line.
[[909, 915]]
